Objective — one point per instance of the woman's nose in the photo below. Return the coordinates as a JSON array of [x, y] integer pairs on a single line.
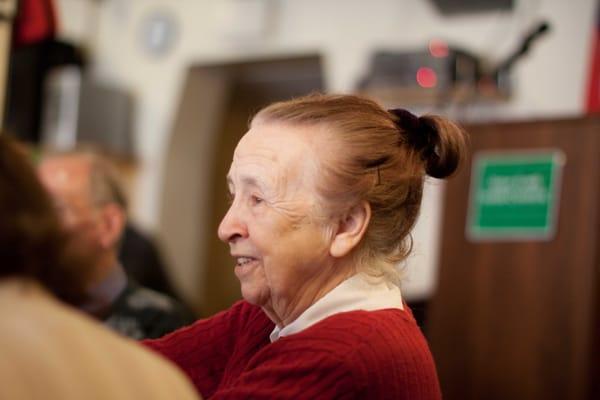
[[232, 225]]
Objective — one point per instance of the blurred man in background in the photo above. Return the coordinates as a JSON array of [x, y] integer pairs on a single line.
[[92, 205]]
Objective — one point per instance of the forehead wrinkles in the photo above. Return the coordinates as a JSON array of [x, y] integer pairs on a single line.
[[286, 155], [252, 167], [269, 153], [256, 157]]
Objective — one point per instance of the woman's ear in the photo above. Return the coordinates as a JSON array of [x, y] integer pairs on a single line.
[[351, 229]]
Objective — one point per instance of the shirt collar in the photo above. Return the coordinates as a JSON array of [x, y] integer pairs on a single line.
[[103, 295], [359, 292]]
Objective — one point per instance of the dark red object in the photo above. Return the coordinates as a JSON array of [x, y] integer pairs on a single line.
[[35, 22], [593, 98]]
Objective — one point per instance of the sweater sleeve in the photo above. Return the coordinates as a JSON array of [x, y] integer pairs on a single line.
[[203, 349]]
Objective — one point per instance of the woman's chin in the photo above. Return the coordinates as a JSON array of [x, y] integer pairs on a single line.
[[253, 283], [254, 295]]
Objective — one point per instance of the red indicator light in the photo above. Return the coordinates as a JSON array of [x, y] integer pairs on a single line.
[[438, 48], [426, 77]]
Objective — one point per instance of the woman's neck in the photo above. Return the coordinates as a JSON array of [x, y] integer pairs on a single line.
[[285, 311]]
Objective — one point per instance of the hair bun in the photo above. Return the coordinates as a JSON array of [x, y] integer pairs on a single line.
[[446, 148], [440, 142]]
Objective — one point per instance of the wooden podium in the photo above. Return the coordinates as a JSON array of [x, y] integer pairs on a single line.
[[519, 318]]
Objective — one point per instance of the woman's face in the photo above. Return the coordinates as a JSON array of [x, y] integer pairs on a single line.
[[280, 245]]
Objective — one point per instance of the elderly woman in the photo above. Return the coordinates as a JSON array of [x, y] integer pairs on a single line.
[[324, 192]]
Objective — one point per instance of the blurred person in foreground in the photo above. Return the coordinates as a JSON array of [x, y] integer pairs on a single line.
[[48, 349], [324, 192], [92, 206]]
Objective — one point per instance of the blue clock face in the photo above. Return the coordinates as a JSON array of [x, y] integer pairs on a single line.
[[159, 33]]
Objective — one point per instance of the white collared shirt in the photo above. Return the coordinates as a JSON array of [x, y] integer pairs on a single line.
[[358, 292]]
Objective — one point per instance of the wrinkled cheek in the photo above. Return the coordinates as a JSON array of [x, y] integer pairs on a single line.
[[284, 275]]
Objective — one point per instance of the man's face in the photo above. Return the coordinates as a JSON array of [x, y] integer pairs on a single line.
[[67, 178]]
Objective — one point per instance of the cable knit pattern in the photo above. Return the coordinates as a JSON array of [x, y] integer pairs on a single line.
[[352, 355]]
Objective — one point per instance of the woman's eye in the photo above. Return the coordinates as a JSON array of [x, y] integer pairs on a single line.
[[256, 200]]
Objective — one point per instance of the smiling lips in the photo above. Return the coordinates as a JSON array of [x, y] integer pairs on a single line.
[[244, 260], [244, 265]]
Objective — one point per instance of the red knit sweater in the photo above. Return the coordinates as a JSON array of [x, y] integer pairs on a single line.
[[351, 355]]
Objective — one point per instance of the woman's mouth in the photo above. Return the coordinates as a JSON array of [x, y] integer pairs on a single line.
[[241, 261], [244, 265]]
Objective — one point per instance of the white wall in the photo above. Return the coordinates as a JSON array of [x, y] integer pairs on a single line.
[[551, 80]]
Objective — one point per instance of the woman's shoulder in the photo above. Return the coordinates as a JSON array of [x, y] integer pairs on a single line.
[[361, 322], [377, 335]]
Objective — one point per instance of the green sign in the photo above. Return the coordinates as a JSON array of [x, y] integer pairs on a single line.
[[514, 195]]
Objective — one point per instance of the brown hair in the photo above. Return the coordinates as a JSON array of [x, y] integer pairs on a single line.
[[32, 241], [378, 156]]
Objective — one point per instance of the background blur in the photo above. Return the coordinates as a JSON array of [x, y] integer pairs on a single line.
[[510, 308]]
